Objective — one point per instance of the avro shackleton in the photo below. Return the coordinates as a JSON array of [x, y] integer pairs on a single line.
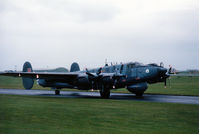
[[133, 76]]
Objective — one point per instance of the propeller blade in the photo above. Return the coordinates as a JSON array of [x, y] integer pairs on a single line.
[[99, 71], [161, 64], [89, 74], [94, 76], [170, 71], [169, 83], [165, 83]]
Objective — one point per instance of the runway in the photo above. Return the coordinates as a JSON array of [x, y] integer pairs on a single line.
[[96, 95]]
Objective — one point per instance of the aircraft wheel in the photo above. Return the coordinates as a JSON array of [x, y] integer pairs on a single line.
[[105, 93], [139, 94], [57, 92]]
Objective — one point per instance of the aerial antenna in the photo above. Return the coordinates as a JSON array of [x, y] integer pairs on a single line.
[[106, 63], [15, 68], [161, 64]]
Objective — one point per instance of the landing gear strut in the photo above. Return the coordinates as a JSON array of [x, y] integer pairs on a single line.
[[104, 92], [57, 92]]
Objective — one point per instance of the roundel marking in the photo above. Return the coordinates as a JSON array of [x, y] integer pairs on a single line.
[[147, 71]]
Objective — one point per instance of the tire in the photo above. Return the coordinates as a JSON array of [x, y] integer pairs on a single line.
[[139, 94], [57, 92], [105, 93]]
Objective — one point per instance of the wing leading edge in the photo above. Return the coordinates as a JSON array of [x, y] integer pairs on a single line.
[[44, 75]]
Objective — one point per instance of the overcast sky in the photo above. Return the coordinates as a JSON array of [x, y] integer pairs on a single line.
[[54, 33]]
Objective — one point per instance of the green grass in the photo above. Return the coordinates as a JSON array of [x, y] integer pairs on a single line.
[[15, 83], [42, 115], [178, 86]]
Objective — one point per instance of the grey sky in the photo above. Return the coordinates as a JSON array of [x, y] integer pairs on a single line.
[[56, 33]]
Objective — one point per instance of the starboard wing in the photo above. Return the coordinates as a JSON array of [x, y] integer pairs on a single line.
[[41, 75]]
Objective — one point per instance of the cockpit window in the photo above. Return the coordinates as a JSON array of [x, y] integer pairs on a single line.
[[134, 64], [153, 64]]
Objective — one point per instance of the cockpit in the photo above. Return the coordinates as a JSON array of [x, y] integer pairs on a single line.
[[153, 64], [134, 64]]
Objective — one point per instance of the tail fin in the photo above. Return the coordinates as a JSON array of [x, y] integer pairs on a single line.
[[27, 82], [74, 67]]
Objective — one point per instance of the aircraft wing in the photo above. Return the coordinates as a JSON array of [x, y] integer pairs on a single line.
[[41, 75]]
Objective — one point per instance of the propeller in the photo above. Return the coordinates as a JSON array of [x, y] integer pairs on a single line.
[[164, 73], [103, 78], [170, 69], [161, 64], [89, 74], [167, 75], [92, 75], [165, 83], [99, 71], [94, 78]]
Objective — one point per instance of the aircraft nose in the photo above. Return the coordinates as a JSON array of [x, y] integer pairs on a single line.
[[162, 71]]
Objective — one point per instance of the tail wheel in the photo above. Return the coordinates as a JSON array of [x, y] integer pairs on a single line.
[[57, 92], [105, 92]]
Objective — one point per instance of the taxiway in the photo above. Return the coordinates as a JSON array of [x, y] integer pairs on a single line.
[[115, 96]]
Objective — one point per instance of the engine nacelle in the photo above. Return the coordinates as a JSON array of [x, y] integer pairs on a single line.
[[83, 83], [108, 80], [58, 85], [138, 88]]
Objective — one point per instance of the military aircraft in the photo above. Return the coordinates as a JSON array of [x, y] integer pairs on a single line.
[[133, 76]]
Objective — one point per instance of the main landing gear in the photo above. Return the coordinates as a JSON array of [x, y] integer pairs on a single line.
[[139, 94], [105, 92]]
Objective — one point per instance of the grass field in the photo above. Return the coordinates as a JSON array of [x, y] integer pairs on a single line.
[[42, 115], [14, 83], [178, 86]]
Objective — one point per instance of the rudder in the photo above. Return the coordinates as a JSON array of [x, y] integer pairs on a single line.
[[74, 67], [27, 82]]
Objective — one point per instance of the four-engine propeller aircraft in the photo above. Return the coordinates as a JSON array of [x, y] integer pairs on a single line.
[[133, 76]]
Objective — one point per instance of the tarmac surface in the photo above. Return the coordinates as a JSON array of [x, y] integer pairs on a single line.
[[114, 96]]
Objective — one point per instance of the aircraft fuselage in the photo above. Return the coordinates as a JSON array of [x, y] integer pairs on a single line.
[[133, 76]]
